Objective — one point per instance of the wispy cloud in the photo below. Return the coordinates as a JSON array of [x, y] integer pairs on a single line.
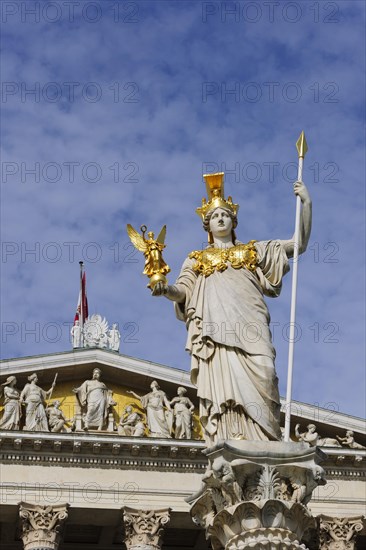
[[126, 113]]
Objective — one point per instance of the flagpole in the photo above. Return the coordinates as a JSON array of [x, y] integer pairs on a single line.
[[81, 319], [302, 149]]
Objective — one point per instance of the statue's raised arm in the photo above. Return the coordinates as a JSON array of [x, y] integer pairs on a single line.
[[305, 220]]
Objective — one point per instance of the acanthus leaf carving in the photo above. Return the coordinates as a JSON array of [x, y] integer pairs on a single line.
[[255, 495], [42, 523], [339, 533], [144, 528]]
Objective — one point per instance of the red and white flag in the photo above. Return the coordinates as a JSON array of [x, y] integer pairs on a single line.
[[82, 307]]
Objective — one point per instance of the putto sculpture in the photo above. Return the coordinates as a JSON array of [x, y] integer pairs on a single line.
[[219, 294]]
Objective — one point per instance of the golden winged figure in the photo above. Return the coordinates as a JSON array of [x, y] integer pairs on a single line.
[[155, 267]]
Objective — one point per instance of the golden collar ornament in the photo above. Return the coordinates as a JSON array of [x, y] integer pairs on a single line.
[[218, 259]]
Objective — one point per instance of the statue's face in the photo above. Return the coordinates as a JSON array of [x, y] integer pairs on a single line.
[[96, 375], [221, 224]]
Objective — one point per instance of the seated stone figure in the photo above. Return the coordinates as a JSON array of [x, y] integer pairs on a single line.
[[56, 419], [131, 423]]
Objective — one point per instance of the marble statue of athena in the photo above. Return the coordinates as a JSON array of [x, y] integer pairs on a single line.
[[219, 294]]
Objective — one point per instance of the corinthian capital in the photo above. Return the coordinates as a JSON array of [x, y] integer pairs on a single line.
[[41, 525], [144, 528], [339, 533]]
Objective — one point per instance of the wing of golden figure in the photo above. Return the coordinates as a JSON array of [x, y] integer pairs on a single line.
[[161, 237], [137, 240]]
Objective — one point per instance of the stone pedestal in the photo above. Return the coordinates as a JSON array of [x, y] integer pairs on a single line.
[[41, 525], [254, 494], [111, 422], [144, 529]]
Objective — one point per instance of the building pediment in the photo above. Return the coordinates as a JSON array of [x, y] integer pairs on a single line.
[[126, 379], [77, 364], [122, 374]]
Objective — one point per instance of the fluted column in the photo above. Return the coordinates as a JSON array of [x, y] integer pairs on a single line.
[[144, 529], [339, 533], [41, 526]]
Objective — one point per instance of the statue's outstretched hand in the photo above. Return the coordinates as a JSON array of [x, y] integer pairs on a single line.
[[300, 189], [160, 289]]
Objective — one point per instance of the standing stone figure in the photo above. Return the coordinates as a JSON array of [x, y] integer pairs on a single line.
[[159, 420], [35, 398], [12, 408], [219, 294], [183, 409], [131, 423], [94, 396], [76, 335], [114, 338]]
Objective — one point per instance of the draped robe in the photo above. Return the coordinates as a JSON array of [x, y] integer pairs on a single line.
[[232, 356], [35, 417], [157, 418], [93, 394], [12, 411]]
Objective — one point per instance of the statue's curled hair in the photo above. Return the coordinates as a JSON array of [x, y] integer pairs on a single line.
[[207, 218]]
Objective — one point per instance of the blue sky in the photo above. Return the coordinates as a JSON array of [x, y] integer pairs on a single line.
[[111, 113]]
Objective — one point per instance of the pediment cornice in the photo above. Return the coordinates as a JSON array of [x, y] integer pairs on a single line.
[[113, 451], [80, 363]]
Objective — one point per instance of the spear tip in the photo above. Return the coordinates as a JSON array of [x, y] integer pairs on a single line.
[[301, 145]]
